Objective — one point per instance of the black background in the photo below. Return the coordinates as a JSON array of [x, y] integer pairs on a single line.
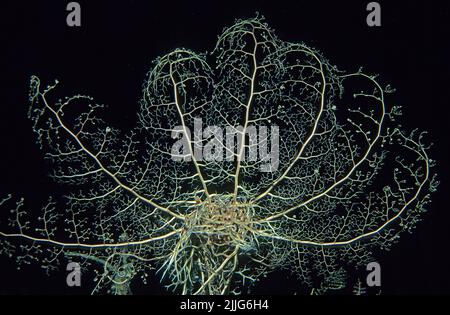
[[109, 55]]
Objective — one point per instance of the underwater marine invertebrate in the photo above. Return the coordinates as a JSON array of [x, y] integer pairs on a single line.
[[345, 180]]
